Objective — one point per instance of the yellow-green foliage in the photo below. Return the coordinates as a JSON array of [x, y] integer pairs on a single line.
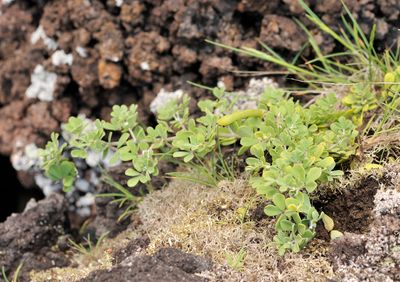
[[392, 82]]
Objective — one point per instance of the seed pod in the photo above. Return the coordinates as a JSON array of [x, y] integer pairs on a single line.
[[228, 119], [328, 222], [335, 234]]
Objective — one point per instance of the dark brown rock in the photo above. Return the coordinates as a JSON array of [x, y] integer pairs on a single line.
[[282, 32], [29, 236]]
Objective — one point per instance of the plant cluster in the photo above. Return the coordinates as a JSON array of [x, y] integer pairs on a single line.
[[289, 148], [293, 149], [177, 138]]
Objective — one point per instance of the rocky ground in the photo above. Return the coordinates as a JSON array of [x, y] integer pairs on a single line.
[[67, 57], [92, 54]]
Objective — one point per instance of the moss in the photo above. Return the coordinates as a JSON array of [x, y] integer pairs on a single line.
[[83, 264], [216, 222], [209, 222]]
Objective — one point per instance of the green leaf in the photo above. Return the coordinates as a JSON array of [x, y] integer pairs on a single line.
[[286, 225], [298, 172], [124, 154], [313, 174], [279, 201], [301, 228], [114, 158], [272, 210], [327, 163], [77, 153], [281, 250], [245, 131], [131, 172], [188, 158], [257, 150], [296, 248], [59, 171], [268, 191], [308, 234], [248, 141], [180, 154], [108, 126], [242, 150], [296, 217], [132, 182], [291, 202], [68, 181], [336, 173], [122, 140]]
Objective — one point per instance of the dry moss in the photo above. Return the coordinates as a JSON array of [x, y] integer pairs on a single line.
[[84, 264], [217, 222]]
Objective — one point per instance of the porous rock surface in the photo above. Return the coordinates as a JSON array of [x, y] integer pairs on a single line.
[[168, 265], [373, 255], [28, 237], [112, 52]]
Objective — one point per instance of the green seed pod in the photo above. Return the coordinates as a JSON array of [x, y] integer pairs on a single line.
[[228, 119], [328, 222], [335, 234], [389, 77]]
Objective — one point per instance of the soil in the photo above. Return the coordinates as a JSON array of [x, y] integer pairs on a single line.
[[351, 209], [166, 265], [373, 256], [106, 215]]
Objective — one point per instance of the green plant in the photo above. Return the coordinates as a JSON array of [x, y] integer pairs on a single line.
[[289, 148], [87, 248], [357, 73], [236, 261], [291, 151], [15, 276], [122, 197], [305, 144], [176, 138]]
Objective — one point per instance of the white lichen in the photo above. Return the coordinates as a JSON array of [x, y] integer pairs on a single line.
[[86, 200], [82, 185], [387, 201], [59, 57], [84, 203], [46, 185], [43, 84], [221, 84], [250, 98], [23, 159], [145, 66], [81, 51], [40, 34], [93, 159], [257, 86], [163, 97]]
